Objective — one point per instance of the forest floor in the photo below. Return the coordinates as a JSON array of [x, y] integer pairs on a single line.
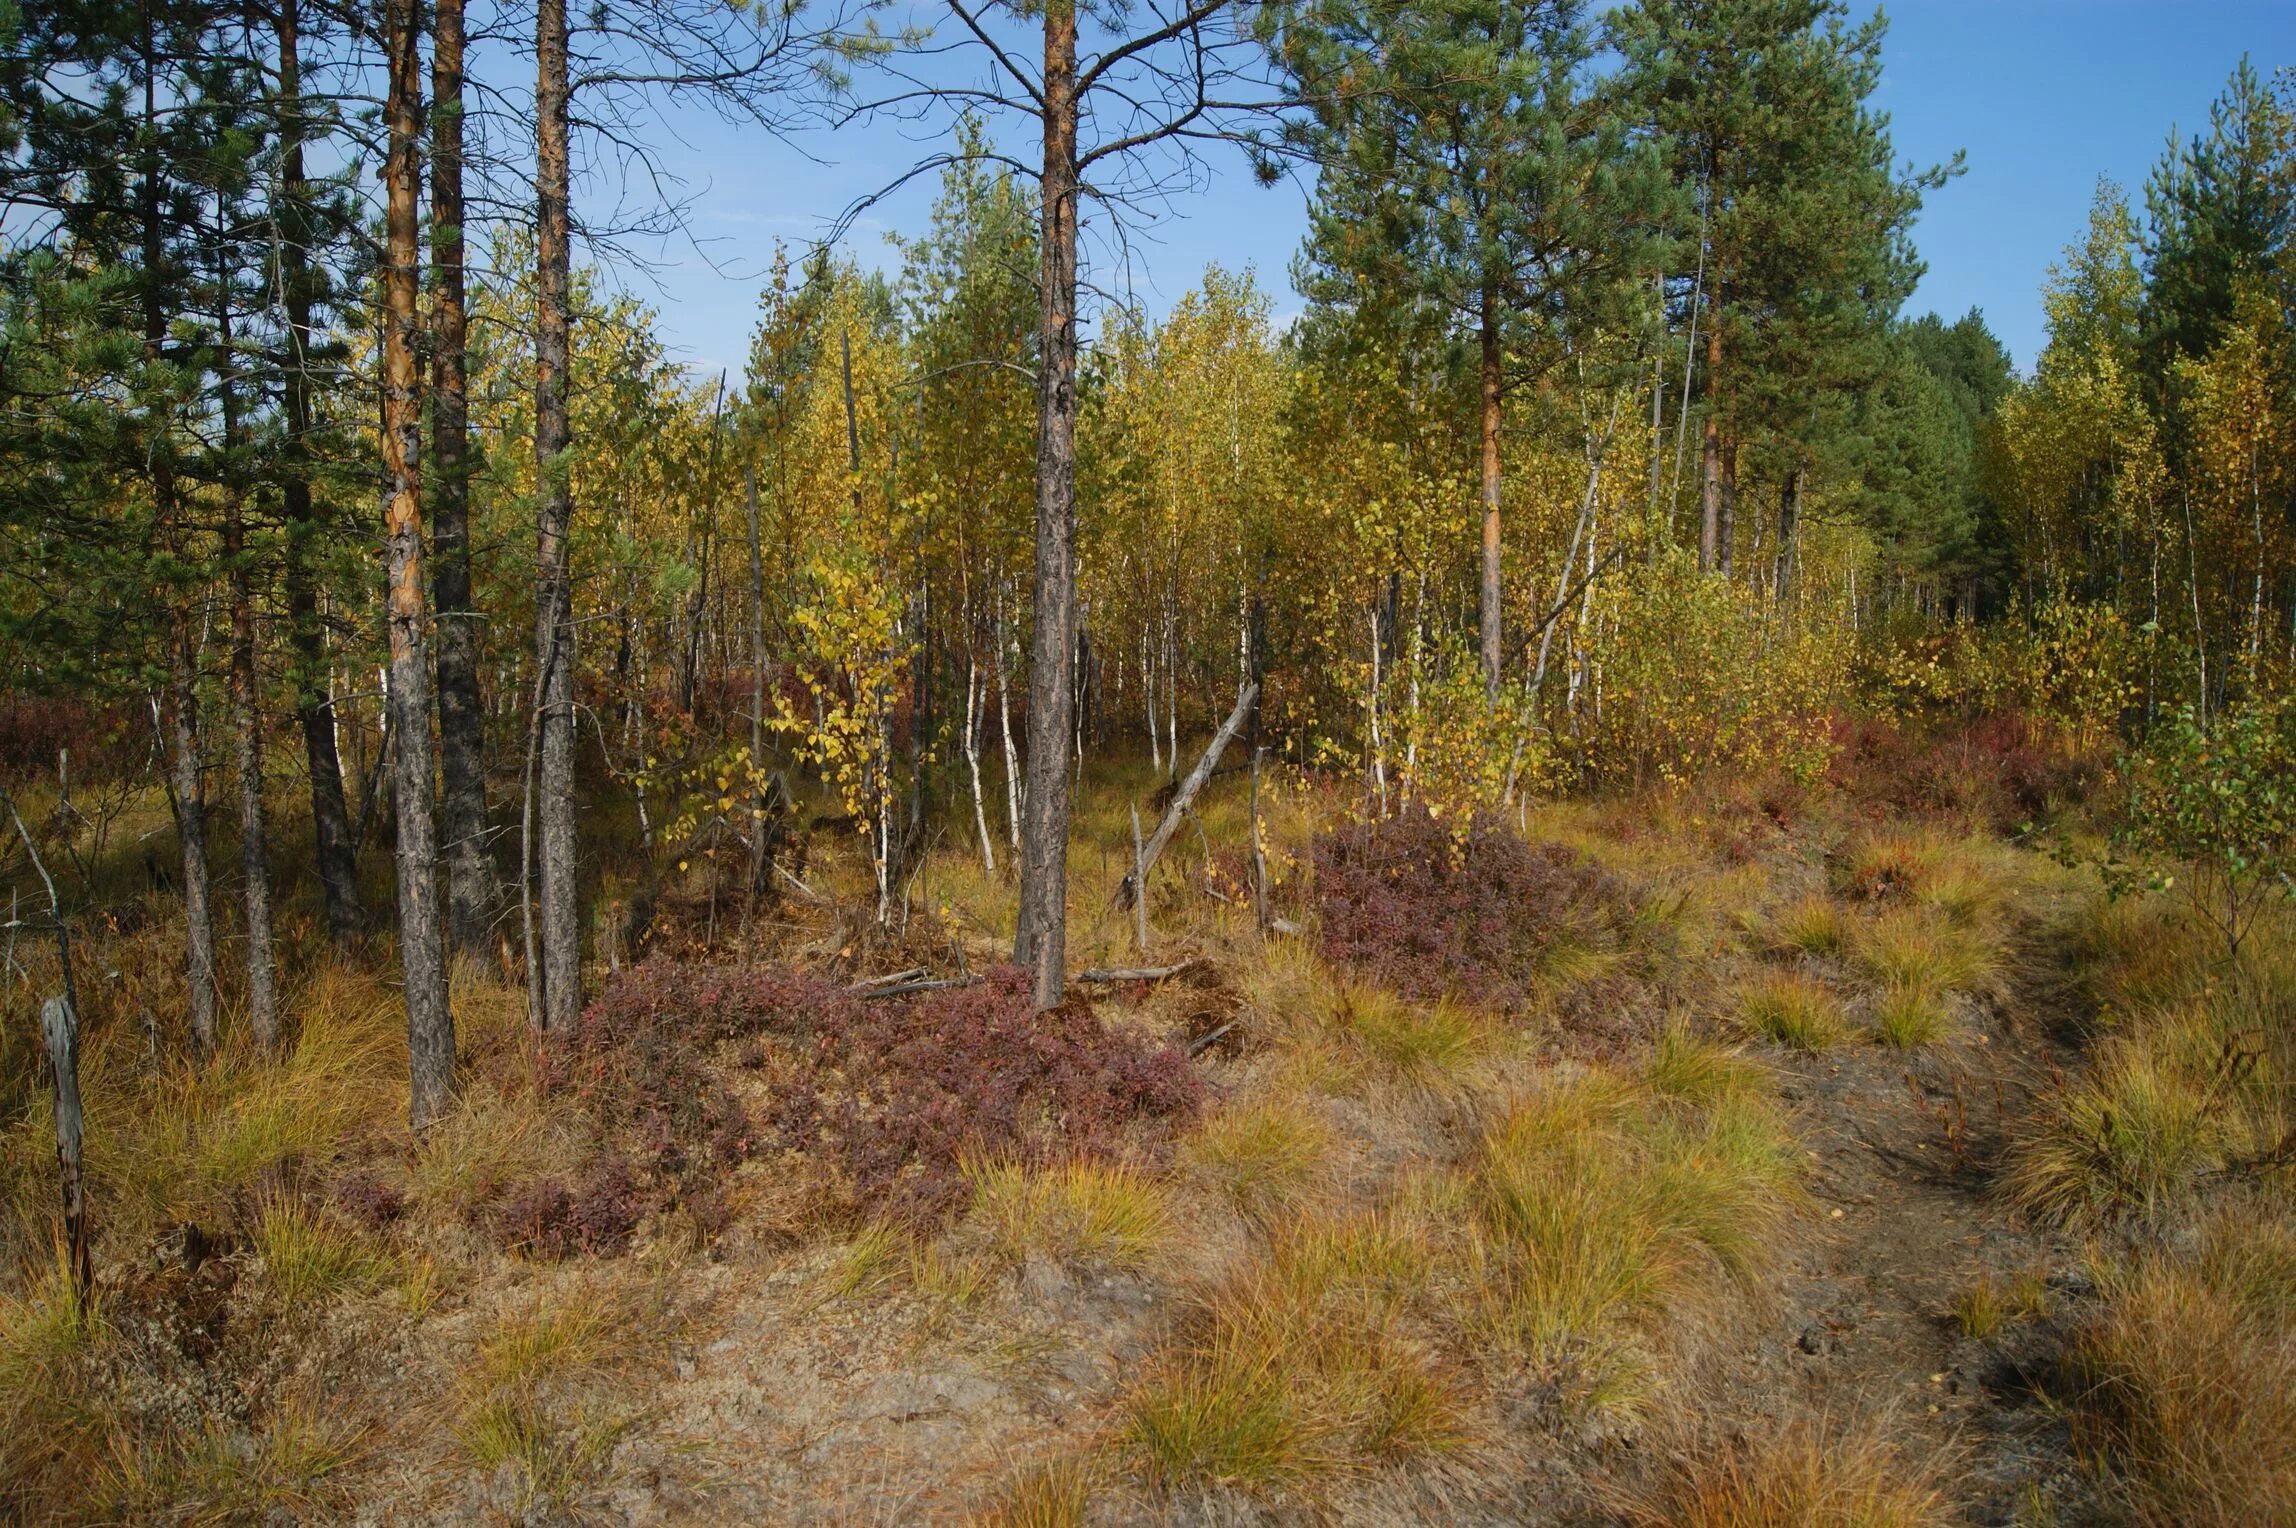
[[1717, 1221]]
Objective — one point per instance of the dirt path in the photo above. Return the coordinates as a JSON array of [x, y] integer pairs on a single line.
[[1905, 1152]]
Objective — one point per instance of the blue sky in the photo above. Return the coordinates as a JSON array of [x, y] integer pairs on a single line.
[[2045, 95]]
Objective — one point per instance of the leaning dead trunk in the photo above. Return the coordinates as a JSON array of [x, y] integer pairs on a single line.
[[470, 883], [560, 917], [1711, 552], [1129, 888], [1041, 937], [422, 954]]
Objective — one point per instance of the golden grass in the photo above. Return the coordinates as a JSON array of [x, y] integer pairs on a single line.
[[1305, 1365], [538, 1395], [2134, 1135], [1990, 1304], [1808, 1476], [1914, 947], [1267, 1156], [307, 1257], [1683, 1066], [1794, 1009], [1597, 1205], [1337, 1030], [1909, 1015], [184, 1142], [286, 1470], [1093, 1212], [2187, 1376], [1055, 1494], [1809, 925]]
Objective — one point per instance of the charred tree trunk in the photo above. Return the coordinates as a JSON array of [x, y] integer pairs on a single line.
[[1493, 634], [470, 884], [422, 954], [560, 920], [1041, 938], [333, 850]]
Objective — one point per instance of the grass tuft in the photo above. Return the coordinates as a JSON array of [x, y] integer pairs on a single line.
[[1808, 1476], [1793, 1009], [1305, 1365], [1909, 1015], [1073, 1211], [308, 1257], [1267, 1156]]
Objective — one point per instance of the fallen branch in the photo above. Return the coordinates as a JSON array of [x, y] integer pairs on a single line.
[[903, 989], [1107, 974], [1128, 888], [887, 980], [1205, 1042]]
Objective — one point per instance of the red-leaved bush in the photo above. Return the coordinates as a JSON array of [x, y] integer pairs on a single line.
[[892, 1094], [1431, 913], [1999, 768]]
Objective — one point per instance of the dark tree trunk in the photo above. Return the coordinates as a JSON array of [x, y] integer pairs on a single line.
[[182, 706], [246, 717], [1041, 939], [470, 895], [191, 827], [1711, 554], [332, 846], [1726, 537], [1789, 532], [422, 954], [1493, 632], [561, 929]]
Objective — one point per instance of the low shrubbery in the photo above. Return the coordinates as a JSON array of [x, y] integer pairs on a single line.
[[1477, 915], [893, 1096]]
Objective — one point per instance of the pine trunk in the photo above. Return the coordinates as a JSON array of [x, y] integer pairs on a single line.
[[332, 848], [1041, 937], [470, 884], [1493, 634], [247, 730], [560, 920], [191, 831], [1711, 554], [422, 954]]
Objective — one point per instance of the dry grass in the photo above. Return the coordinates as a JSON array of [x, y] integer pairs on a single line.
[[308, 1257], [1056, 1494], [2157, 1113], [1989, 1305], [1088, 1212], [1597, 1204], [1809, 925], [1909, 1015], [1266, 1156], [541, 1396], [1683, 1066], [1913, 947], [2187, 1377], [1794, 1009], [1306, 1365], [1806, 1476]]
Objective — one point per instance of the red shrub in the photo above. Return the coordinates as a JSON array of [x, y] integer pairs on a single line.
[[891, 1093], [1999, 768], [543, 1218], [1431, 915]]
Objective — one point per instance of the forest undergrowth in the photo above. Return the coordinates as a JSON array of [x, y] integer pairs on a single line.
[[1761, 1153]]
